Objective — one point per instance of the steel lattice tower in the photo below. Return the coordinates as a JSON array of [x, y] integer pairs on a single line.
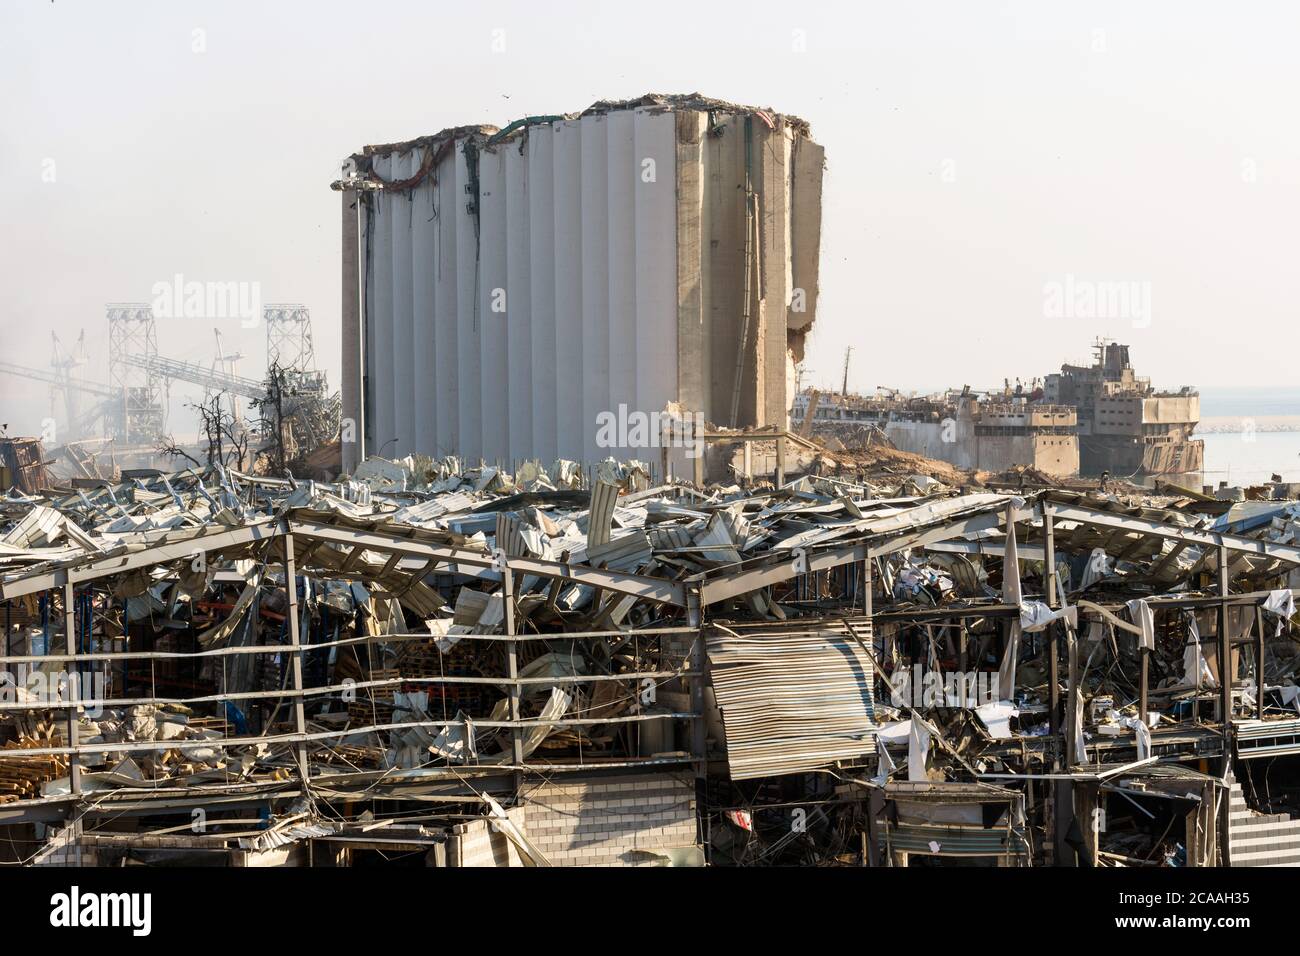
[[288, 337], [131, 331]]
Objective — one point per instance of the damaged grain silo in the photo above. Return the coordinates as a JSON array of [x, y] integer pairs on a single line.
[[506, 288]]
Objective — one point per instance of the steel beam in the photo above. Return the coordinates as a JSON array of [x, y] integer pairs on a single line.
[[637, 585], [162, 553], [1205, 539]]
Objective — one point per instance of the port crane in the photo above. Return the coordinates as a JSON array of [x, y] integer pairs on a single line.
[[79, 421]]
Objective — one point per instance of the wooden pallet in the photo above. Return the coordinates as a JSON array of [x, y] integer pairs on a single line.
[[21, 776], [362, 713]]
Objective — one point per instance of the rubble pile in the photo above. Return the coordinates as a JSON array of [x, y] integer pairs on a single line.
[[928, 669]]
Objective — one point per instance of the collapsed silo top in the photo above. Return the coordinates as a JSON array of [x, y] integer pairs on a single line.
[[490, 135]]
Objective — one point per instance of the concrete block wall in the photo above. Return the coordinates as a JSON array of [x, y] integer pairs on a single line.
[[71, 855], [478, 843], [612, 821], [626, 820], [63, 848], [1261, 839]]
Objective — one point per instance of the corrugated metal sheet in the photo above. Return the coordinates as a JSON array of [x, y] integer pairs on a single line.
[[604, 496], [627, 552], [669, 537], [952, 840], [283, 836], [22, 465], [40, 527], [509, 534], [792, 701], [427, 511], [1266, 738]]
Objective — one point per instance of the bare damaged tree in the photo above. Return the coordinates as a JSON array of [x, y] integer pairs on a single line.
[[169, 448], [226, 439], [271, 409]]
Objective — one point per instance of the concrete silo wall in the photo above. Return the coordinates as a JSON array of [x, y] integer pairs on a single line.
[[503, 290]]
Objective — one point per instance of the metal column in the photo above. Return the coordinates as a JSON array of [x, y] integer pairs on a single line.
[[295, 642], [512, 652], [74, 692]]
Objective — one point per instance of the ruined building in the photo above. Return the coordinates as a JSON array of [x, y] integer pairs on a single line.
[[1085, 421], [505, 287], [1125, 425], [982, 433], [463, 667]]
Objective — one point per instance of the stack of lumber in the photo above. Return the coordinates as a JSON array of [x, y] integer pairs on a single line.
[[21, 777]]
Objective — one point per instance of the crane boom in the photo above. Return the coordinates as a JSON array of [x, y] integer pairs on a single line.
[[50, 378], [198, 375]]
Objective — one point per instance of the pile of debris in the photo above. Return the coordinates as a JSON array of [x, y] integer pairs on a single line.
[[423, 630]]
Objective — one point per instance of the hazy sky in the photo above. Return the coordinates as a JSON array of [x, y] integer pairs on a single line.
[[977, 154]]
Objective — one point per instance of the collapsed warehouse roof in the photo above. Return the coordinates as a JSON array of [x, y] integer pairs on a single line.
[[467, 640]]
